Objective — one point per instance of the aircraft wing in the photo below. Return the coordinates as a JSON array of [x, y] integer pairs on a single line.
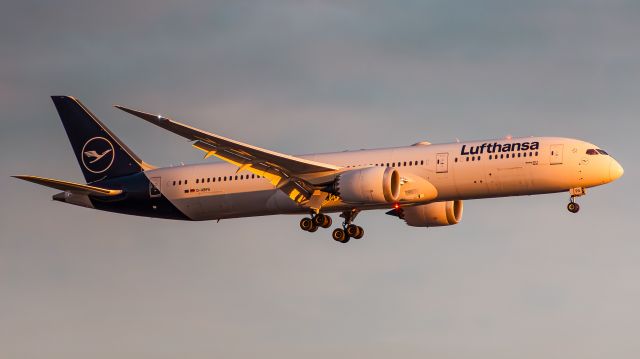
[[71, 186], [283, 171]]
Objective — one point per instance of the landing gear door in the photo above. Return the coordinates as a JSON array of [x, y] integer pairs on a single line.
[[154, 187], [442, 163], [556, 154]]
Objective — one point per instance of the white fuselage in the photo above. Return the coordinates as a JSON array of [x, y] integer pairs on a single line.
[[466, 170]]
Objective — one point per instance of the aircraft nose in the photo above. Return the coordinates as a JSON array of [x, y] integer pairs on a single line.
[[615, 170]]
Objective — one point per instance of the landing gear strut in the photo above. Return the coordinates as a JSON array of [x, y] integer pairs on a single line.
[[574, 207], [348, 230], [311, 224]]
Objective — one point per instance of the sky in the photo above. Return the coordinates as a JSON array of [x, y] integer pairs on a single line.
[[518, 277]]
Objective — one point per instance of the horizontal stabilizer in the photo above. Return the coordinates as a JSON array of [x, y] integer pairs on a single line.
[[71, 186]]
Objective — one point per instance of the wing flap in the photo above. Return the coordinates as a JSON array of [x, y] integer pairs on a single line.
[[71, 186]]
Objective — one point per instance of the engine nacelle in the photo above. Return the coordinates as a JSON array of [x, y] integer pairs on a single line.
[[434, 214], [369, 185]]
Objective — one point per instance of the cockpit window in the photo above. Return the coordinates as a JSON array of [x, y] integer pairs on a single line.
[[603, 152], [592, 151]]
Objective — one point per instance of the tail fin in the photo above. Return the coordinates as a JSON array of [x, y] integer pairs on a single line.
[[100, 153]]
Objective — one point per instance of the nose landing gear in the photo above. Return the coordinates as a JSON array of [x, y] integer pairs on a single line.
[[574, 207]]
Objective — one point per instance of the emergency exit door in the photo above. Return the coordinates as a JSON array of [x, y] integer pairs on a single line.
[[442, 163]]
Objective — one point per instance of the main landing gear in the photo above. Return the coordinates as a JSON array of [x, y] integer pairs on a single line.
[[348, 230], [342, 235], [574, 207], [316, 220]]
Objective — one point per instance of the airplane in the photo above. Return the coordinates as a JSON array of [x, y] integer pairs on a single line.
[[423, 184]]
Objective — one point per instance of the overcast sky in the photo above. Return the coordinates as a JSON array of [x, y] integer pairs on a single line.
[[517, 278]]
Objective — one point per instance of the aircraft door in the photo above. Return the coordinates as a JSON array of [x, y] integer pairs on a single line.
[[556, 154], [442, 163], [155, 184]]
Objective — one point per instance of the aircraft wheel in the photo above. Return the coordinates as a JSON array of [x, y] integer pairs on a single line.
[[339, 235], [313, 228], [322, 220], [306, 224], [360, 233], [327, 222], [352, 230], [573, 207]]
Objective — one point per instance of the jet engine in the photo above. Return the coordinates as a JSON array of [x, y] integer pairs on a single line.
[[368, 185], [434, 214]]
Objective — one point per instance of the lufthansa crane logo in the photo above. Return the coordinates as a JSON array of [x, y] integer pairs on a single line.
[[97, 155]]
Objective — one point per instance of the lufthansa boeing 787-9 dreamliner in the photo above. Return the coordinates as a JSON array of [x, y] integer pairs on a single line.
[[423, 184]]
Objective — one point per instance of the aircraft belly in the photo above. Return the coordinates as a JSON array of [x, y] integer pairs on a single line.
[[233, 205]]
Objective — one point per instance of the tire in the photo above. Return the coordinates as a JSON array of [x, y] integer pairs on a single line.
[[351, 230], [360, 233], [573, 207], [322, 220], [339, 235], [306, 224], [313, 228], [327, 222]]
